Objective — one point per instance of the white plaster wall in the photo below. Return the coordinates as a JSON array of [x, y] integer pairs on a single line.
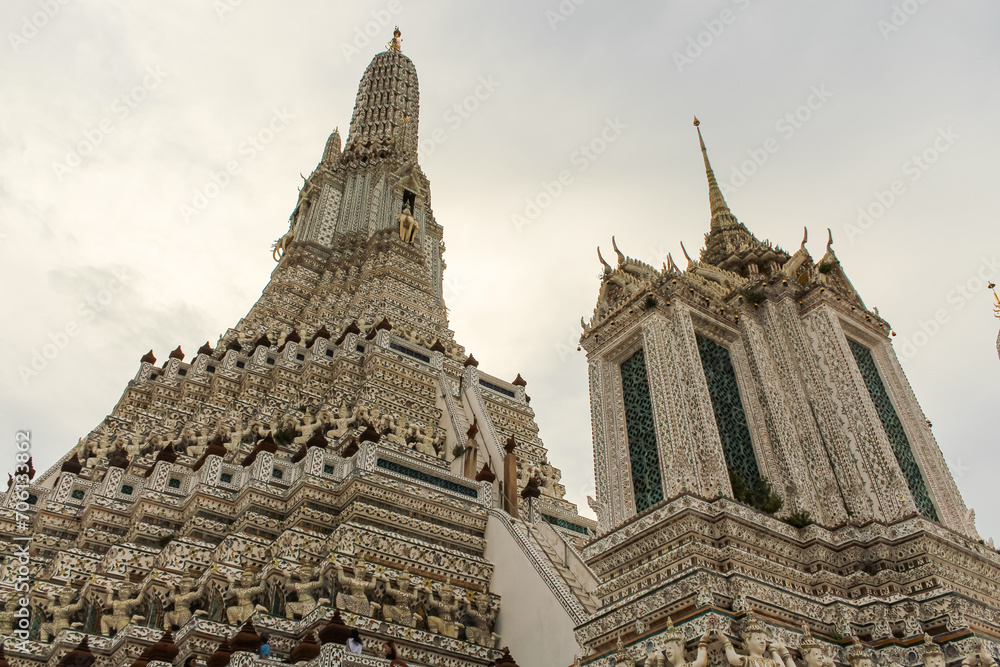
[[531, 623]]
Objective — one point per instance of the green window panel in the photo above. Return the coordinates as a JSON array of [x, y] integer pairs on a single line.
[[427, 478], [647, 483], [893, 429], [563, 523], [729, 415]]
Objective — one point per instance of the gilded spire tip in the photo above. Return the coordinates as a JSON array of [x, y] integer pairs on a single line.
[[394, 44], [696, 121]]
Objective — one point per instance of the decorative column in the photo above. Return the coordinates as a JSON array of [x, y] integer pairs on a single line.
[[471, 450], [510, 478]]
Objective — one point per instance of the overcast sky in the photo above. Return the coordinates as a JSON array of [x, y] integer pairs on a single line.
[[114, 116]]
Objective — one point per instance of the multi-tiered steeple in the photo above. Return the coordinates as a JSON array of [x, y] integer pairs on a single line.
[[344, 245], [335, 449]]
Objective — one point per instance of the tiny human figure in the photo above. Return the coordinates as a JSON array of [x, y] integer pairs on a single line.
[[392, 655], [354, 644], [265, 645]]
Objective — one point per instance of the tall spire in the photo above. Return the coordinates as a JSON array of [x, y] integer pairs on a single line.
[[722, 217], [388, 99], [729, 244]]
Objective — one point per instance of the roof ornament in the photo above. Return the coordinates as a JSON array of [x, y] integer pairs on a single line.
[[607, 267], [393, 44], [805, 236], [829, 244], [621, 257], [686, 255]]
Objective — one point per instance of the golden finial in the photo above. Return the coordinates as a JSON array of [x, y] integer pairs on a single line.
[[996, 308], [696, 121], [394, 44]]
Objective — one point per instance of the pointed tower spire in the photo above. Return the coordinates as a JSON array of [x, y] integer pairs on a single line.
[[386, 108], [729, 244], [722, 217]]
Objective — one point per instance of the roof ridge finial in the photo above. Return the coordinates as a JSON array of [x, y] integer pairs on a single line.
[[722, 217], [686, 255], [394, 43], [607, 267], [621, 257]]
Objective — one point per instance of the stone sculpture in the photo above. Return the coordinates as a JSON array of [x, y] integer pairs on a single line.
[[812, 652], [121, 608], [673, 650], [345, 419], [182, 596], [445, 608], [756, 641], [244, 589], [483, 613], [405, 601], [304, 603], [61, 612], [408, 225], [358, 588]]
